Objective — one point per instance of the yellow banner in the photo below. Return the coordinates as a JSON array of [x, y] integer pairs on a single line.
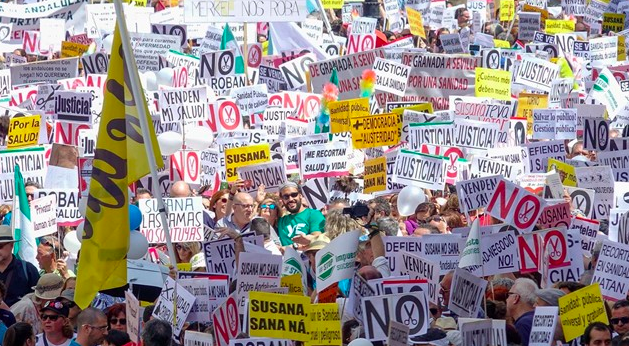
[[501, 44], [580, 308], [526, 104], [71, 49], [325, 325], [120, 141], [559, 26], [493, 83], [278, 316], [567, 172], [333, 4], [371, 131], [245, 156], [613, 22], [23, 132], [507, 10], [341, 111], [416, 22], [293, 283], [375, 174]]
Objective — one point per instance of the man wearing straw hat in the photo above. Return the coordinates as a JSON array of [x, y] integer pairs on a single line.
[[18, 276]]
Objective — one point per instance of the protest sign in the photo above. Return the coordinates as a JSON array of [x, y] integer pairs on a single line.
[[72, 106], [245, 156], [466, 294], [188, 104], [256, 272], [335, 262], [414, 168], [324, 160], [391, 77], [132, 312], [393, 246], [601, 180], [529, 23], [193, 338], [535, 155], [247, 11], [148, 47], [164, 308], [342, 111], [486, 167], [442, 249], [23, 131], [273, 79], [67, 205], [500, 253], [419, 134], [493, 83], [543, 327], [370, 131], [475, 135], [259, 342], [477, 332], [476, 193], [224, 254], [95, 63], [325, 324], [554, 123], [419, 268], [251, 99], [270, 174], [375, 174], [410, 309], [185, 219], [294, 71], [398, 333], [537, 73], [553, 242], [44, 215], [606, 90], [71, 49], [32, 166], [555, 215], [279, 316], [580, 308], [49, 71], [517, 206], [226, 321], [612, 270]]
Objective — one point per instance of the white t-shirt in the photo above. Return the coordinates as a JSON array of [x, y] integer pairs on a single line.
[[40, 341]]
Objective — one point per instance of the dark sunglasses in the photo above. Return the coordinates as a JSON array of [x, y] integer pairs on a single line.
[[435, 218], [290, 195], [224, 200], [116, 320], [616, 321], [49, 317], [31, 195], [434, 311], [267, 206]]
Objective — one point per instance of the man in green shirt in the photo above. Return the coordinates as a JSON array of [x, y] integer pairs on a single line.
[[299, 220]]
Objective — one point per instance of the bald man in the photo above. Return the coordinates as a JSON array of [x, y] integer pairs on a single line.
[[242, 213], [180, 189]]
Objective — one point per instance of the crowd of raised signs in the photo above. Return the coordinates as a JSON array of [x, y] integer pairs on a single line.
[[419, 172]]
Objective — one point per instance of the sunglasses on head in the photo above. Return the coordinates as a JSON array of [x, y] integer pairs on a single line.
[[290, 195], [616, 321], [267, 206], [118, 321], [49, 317]]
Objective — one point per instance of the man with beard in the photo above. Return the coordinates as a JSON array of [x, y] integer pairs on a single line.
[[299, 220]]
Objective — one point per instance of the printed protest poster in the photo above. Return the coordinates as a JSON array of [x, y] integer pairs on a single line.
[[185, 219], [132, 311], [529, 23], [226, 321], [443, 249], [279, 316], [474, 135], [418, 134], [259, 341], [419, 268], [466, 294], [515, 206], [499, 252], [409, 308], [23, 131], [607, 91], [342, 111], [612, 270], [398, 332], [477, 332], [148, 47], [179, 105], [537, 73], [553, 241], [165, 304], [601, 180], [493, 83], [543, 328], [535, 155], [48, 71], [476, 193], [554, 123], [486, 167], [335, 262], [391, 77], [247, 11], [44, 215], [270, 174], [74, 107], [325, 324], [580, 308], [192, 338], [414, 168], [375, 174], [67, 205], [256, 272], [369, 131], [245, 156], [324, 160], [251, 99], [32, 165], [393, 246]]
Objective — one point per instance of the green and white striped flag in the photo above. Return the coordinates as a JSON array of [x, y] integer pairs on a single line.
[[229, 42], [26, 246]]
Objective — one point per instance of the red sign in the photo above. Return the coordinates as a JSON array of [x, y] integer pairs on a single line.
[[226, 321]]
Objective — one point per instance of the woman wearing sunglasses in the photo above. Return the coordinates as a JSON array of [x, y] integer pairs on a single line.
[[269, 210], [117, 317], [56, 325], [218, 205]]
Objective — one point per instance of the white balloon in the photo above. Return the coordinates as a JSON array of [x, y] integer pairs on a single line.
[[138, 245], [79, 231], [165, 76], [169, 142], [151, 80], [198, 137], [107, 43], [71, 242], [83, 206], [408, 199]]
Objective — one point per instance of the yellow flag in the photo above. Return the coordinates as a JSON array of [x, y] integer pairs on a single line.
[[119, 160]]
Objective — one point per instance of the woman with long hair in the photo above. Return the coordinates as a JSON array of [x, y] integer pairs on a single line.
[[185, 251], [19, 334]]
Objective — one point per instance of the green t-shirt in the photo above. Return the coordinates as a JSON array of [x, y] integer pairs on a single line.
[[306, 222]]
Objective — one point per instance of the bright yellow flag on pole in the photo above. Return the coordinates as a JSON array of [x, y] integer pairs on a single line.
[[119, 160]]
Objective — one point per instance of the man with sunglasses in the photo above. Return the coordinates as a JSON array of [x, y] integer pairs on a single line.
[[620, 320], [31, 188], [299, 220]]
